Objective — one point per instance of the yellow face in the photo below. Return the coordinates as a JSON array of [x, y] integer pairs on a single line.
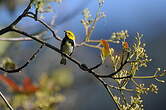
[[70, 35]]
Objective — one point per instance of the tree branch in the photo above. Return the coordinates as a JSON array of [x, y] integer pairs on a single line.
[[80, 65], [23, 14], [44, 24], [118, 70], [22, 39], [8, 28], [5, 100], [26, 64]]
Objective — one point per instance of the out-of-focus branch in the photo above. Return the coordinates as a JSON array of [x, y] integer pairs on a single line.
[[16, 39], [23, 38], [26, 64], [6, 101]]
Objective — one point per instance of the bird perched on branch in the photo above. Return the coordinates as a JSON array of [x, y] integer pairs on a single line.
[[67, 45]]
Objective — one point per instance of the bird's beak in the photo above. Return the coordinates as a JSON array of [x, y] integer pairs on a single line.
[[64, 31]]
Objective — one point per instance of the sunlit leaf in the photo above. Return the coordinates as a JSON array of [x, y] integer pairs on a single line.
[[105, 50]]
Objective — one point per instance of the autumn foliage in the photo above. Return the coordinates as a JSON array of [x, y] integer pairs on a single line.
[[26, 87]]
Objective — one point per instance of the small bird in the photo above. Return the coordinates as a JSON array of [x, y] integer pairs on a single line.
[[67, 45]]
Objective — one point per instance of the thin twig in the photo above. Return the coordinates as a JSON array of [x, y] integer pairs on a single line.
[[112, 96], [89, 45], [8, 28], [98, 65], [148, 77], [98, 41], [121, 88], [46, 25], [141, 77], [118, 70], [26, 64], [122, 95], [16, 39], [5, 100], [22, 15]]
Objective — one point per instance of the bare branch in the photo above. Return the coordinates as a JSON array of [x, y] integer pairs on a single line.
[[26, 64], [23, 14], [98, 65], [16, 39], [118, 70], [46, 25], [5, 100], [8, 28], [22, 39]]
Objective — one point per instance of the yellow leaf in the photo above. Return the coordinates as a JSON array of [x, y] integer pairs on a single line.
[[105, 50], [125, 45]]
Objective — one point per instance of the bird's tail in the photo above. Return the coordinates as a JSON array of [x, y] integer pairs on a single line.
[[63, 61]]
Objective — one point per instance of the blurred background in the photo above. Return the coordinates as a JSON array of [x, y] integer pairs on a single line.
[[85, 92]]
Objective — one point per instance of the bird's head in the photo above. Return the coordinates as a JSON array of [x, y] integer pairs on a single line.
[[70, 35]]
